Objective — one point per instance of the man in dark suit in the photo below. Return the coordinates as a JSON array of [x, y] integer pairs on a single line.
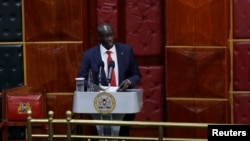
[[126, 69]]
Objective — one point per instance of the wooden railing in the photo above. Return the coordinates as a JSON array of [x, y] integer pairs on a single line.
[[70, 123]]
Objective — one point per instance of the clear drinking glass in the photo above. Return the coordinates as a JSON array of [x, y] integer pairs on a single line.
[[79, 84]]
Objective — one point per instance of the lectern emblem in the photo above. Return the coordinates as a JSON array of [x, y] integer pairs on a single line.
[[104, 103]]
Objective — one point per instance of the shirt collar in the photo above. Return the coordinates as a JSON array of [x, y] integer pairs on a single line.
[[103, 49]]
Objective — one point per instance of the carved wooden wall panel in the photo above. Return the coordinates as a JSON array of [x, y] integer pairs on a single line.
[[196, 110], [59, 103], [53, 66], [197, 22], [53, 20], [197, 63], [197, 72]]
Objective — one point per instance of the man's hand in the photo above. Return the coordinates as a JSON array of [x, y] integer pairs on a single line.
[[124, 85]]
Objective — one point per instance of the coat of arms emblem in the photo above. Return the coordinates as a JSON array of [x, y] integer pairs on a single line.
[[104, 103], [22, 108]]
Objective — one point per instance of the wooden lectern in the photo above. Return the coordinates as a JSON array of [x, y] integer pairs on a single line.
[[108, 106]]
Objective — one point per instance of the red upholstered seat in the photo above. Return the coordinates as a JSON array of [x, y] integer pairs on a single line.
[[15, 104], [18, 105]]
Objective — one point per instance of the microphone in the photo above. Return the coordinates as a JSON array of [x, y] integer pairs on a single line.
[[101, 66], [111, 66]]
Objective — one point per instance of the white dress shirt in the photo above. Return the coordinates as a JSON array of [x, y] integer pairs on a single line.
[[114, 58]]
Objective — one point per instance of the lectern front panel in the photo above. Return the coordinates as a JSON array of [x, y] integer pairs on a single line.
[[130, 101]]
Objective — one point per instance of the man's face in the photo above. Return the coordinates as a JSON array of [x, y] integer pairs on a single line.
[[106, 37]]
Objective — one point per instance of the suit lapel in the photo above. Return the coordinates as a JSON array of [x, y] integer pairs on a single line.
[[120, 59], [97, 54]]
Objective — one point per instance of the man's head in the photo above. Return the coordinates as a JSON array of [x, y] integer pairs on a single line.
[[105, 34]]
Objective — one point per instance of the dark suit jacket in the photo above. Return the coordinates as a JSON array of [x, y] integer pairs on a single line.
[[127, 66]]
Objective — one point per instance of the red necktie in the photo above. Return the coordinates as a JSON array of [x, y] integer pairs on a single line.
[[113, 80]]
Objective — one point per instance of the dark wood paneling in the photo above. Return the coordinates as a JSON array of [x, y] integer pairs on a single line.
[[57, 20], [196, 111], [90, 23], [53, 66], [197, 22], [59, 104], [197, 72]]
